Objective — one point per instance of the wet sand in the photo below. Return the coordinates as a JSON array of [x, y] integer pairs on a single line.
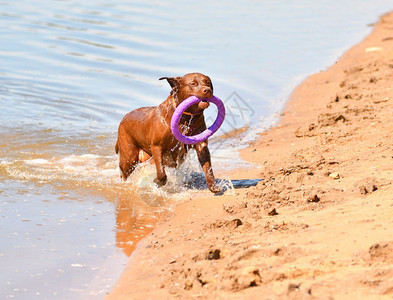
[[318, 224]]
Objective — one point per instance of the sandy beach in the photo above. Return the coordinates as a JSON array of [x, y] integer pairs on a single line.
[[319, 223]]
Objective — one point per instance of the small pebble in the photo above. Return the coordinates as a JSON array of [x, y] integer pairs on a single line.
[[335, 175]]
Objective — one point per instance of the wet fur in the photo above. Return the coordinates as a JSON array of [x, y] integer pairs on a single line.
[[145, 132]]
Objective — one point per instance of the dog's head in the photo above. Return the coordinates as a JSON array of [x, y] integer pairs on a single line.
[[192, 84]]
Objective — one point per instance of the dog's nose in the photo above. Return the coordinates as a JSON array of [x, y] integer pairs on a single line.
[[207, 90]]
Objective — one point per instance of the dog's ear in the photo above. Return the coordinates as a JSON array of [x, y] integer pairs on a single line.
[[173, 81], [211, 83]]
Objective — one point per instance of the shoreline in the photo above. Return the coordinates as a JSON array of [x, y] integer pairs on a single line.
[[317, 225]]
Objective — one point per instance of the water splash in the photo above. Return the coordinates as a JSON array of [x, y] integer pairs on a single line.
[[102, 172]]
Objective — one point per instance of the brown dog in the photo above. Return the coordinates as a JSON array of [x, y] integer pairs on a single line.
[[146, 131]]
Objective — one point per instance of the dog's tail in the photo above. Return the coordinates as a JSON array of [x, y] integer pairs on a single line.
[[117, 146]]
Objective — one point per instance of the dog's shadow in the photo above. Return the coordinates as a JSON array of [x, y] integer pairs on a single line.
[[197, 181]]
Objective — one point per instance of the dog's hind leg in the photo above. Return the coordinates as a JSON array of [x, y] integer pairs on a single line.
[[128, 157]]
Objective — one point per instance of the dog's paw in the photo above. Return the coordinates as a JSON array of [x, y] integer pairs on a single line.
[[161, 182], [215, 189]]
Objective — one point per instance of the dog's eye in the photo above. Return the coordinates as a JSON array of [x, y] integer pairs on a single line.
[[193, 83]]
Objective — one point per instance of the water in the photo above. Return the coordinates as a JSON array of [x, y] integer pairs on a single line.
[[70, 70]]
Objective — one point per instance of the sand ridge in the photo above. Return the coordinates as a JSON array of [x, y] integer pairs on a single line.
[[319, 223]]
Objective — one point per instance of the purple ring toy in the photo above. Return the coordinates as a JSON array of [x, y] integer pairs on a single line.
[[203, 135]]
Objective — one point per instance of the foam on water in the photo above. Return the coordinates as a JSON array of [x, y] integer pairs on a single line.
[[103, 172], [37, 161]]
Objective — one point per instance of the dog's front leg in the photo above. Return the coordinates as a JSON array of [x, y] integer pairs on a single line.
[[157, 156], [204, 159]]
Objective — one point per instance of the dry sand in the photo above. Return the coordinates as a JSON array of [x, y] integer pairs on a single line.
[[320, 223]]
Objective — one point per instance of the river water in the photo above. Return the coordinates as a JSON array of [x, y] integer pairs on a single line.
[[70, 70]]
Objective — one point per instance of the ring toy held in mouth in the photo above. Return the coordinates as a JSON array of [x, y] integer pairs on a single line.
[[203, 135]]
